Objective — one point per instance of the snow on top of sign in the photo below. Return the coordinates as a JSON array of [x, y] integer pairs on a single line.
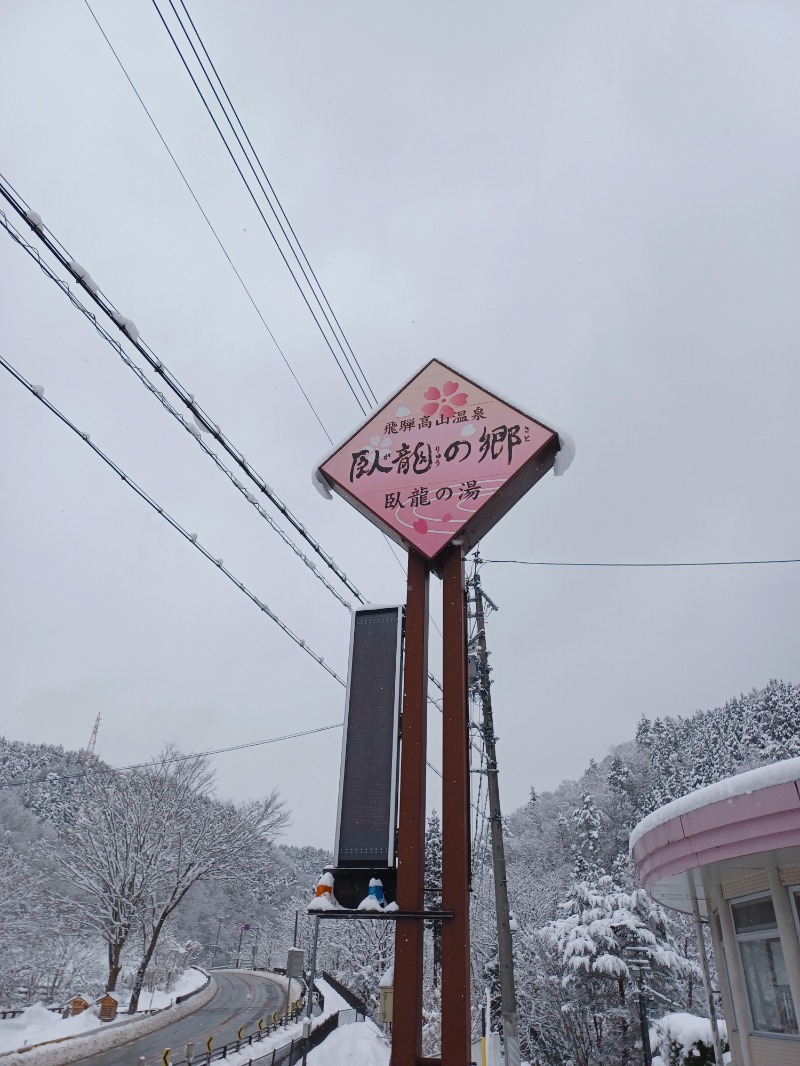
[[319, 482], [324, 903], [566, 441], [369, 903], [566, 452], [777, 773]]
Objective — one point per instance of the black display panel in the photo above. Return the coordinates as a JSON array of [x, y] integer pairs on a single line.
[[368, 786]]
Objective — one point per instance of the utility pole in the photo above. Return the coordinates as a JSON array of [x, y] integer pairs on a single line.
[[504, 947], [220, 919]]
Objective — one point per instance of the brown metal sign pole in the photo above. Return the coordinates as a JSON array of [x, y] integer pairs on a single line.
[[456, 1021], [407, 1009]]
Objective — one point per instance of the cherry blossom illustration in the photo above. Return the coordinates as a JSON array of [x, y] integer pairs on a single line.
[[444, 401], [383, 447]]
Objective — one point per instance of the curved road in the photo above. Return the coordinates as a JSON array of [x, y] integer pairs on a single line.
[[241, 999]]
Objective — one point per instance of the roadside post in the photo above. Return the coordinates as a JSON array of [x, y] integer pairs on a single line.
[[435, 468], [312, 974], [306, 1037], [243, 927]]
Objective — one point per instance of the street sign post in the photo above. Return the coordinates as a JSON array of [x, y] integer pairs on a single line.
[[444, 458], [435, 468]]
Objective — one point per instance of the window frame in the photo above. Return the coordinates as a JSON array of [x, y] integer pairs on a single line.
[[794, 903], [770, 934], [715, 916]]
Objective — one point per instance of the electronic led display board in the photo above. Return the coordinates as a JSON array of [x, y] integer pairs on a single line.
[[365, 825]]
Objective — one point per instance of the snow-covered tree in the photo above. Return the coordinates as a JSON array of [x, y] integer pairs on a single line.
[[586, 821], [111, 845], [135, 843], [202, 838], [433, 890], [602, 925]]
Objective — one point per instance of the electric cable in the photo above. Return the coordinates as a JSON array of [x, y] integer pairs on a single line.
[[668, 565], [371, 393], [209, 224], [219, 241], [254, 198], [165, 403], [38, 392], [173, 758], [201, 417]]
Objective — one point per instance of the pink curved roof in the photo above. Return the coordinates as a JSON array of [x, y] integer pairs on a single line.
[[749, 814]]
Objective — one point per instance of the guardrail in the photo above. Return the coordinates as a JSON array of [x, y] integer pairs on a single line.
[[293, 1052], [188, 995], [349, 997], [286, 1054], [257, 1036]]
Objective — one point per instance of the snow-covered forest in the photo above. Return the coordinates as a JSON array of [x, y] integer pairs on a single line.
[[121, 879]]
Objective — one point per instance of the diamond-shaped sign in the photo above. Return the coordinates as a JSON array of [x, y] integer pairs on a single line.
[[443, 458]]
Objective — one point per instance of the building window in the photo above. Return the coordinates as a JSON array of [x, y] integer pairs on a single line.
[[764, 966]]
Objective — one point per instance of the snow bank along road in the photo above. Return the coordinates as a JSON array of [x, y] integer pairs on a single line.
[[241, 999]]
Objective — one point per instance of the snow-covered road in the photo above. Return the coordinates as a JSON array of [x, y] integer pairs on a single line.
[[241, 999]]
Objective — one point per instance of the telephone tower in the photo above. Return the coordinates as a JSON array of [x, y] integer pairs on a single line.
[[87, 755]]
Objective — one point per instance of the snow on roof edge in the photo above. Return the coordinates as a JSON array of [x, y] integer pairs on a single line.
[[776, 773], [566, 441]]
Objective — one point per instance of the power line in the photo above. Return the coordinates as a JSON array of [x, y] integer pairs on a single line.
[[88, 284], [300, 248], [175, 758], [38, 392], [201, 417], [209, 223], [364, 409], [369, 391], [715, 562], [17, 237], [301, 259]]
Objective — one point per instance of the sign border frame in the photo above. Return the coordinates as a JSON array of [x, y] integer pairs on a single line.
[[496, 507]]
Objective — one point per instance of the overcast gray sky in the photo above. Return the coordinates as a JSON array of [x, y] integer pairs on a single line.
[[591, 206]]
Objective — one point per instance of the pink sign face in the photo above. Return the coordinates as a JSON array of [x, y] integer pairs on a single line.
[[432, 458]]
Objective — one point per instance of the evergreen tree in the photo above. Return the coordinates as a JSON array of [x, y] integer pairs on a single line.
[[601, 922], [586, 819]]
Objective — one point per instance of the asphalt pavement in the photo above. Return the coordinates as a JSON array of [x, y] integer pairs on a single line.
[[240, 1000]]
